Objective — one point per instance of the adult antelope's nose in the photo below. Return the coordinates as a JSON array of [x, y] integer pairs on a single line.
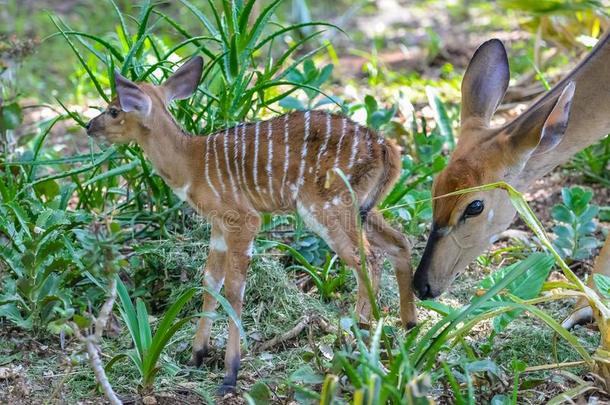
[[422, 286]]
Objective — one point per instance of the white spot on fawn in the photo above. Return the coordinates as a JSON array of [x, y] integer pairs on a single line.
[[214, 284], [218, 243], [250, 249], [307, 214], [182, 192]]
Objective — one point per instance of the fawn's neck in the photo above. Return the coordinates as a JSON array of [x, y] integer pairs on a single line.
[[172, 152]]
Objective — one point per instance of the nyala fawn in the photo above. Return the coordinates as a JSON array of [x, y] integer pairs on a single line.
[[275, 166]]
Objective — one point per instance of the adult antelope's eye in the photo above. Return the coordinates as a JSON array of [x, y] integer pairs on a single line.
[[474, 208], [113, 112]]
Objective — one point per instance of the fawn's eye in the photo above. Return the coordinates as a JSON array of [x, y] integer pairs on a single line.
[[113, 112], [474, 209]]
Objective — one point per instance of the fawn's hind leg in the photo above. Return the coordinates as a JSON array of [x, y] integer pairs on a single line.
[[338, 227], [397, 248]]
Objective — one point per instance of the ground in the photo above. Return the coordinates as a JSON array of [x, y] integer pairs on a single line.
[[48, 369]]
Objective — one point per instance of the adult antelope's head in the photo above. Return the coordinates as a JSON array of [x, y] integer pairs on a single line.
[[140, 106], [464, 226]]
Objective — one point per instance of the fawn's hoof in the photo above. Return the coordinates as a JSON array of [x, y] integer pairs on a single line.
[[226, 389], [410, 325], [198, 357]]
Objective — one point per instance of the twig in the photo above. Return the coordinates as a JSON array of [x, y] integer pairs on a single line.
[[294, 332], [91, 343], [291, 334]]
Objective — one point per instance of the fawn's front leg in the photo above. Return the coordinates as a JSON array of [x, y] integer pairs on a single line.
[[582, 313], [214, 275], [240, 247]]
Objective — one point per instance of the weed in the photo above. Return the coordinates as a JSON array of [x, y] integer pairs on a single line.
[[575, 215]]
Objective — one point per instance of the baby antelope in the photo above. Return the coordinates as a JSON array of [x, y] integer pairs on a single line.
[[281, 165]]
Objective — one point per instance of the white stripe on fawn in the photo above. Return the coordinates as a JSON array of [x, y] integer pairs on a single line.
[[286, 157], [301, 179], [352, 157], [255, 164], [270, 157], [368, 136], [207, 166], [243, 158], [236, 156], [218, 174], [324, 146], [343, 128], [226, 150]]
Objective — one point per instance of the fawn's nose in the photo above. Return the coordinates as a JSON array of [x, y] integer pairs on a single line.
[[88, 126]]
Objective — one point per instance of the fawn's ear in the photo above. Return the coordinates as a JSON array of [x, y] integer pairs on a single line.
[[541, 128], [131, 97], [183, 83], [485, 81]]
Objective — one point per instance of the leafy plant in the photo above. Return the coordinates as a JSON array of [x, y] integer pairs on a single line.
[[575, 215], [148, 347], [40, 255], [328, 278], [311, 79], [594, 162]]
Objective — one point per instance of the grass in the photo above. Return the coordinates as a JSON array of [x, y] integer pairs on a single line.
[[165, 246]]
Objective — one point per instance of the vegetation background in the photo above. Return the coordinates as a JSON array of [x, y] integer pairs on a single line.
[[74, 214]]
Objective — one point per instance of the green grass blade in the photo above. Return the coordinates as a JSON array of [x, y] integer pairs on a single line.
[[129, 315], [122, 21], [143, 325], [197, 13], [117, 171], [162, 335], [96, 83]]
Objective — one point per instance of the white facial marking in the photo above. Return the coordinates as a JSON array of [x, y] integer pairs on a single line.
[[250, 249], [218, 243], [336, 201], [490, 215], [309, 218]]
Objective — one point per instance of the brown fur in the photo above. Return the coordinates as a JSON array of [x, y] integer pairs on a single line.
[[230, 178], [567, 119]]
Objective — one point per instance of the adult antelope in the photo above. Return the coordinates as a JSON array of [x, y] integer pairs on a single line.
[[274, 166], [571, 116]]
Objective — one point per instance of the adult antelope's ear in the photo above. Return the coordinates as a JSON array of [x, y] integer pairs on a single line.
[[542, 127], [485, 81], [131, 97], [183, 83]]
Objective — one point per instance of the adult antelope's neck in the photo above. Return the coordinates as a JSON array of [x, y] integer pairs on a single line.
[[175, 155], [590, 114]]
